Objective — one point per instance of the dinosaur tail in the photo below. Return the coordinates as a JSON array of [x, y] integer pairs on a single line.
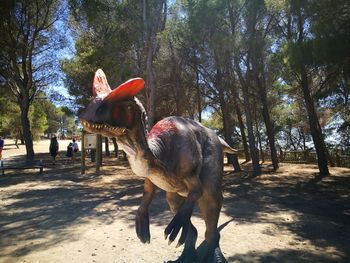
[[227, 148]]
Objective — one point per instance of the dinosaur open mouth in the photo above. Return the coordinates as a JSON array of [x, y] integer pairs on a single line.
[[104, 129]]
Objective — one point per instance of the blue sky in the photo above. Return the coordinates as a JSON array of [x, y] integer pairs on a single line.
[[65, 53]]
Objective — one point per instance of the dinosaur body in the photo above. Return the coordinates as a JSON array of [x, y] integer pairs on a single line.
[[178, 155]]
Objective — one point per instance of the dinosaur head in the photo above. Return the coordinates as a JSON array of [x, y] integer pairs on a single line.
[[113, 113]]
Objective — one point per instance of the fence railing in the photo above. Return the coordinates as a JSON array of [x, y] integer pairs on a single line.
[[336, 158]]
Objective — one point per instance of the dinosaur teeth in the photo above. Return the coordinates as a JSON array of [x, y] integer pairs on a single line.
[[99, 127]]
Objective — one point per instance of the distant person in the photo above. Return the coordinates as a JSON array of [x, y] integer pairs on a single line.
[[1, 146], [75, 146], [69, 153], [16, 142], [53, 148]]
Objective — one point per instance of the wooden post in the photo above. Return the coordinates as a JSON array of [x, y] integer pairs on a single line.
[[101, 150], [83, 152], [337, 157], [281, 155], [98, 152], [41, 166]]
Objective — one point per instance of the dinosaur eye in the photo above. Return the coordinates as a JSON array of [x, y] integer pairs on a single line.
[[129, 115], [116, 113], [123, 115]]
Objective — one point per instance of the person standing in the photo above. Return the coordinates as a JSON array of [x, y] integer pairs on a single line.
[[53, 148], [69, 152], [75, 146], [1, 146]]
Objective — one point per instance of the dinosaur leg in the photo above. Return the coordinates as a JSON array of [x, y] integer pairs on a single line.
[[182, 218], [210, 206], [188, 255], [142, 217]]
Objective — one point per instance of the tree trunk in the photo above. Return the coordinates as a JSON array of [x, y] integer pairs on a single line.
[[242, 130], [150, 84], [227, 125], [259, 142], [149, 44], [107, 146], [227, 133], [241, 126], [154, 17], [268, 124], [199, 95], [251, 138], [259, 76], [315, 128], [116, 148], [21, 136], [27, 134]]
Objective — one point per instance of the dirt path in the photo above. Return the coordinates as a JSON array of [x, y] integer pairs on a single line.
[[63, 216]]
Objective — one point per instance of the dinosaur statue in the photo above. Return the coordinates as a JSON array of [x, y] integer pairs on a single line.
[[178, 155]]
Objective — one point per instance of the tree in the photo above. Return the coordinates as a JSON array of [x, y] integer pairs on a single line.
[[10, 121], [54, 116], [300, 61], [154, 18], [28, 37], [245, 62], [116, 46], [38, 120]]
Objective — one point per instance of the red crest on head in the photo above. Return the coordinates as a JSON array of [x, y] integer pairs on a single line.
[[127, 90], [100, 87]]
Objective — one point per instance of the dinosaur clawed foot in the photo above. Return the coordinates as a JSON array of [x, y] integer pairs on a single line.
[[187, 256], [180, 220], [211, 255], [190, 256], [142, 225], [218, 256]]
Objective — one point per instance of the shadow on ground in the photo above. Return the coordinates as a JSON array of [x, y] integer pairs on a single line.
[[44, 207], [320, 207], [39, 210]]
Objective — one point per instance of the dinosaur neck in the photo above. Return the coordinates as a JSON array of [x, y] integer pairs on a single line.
[[140, 156], [144, 158]]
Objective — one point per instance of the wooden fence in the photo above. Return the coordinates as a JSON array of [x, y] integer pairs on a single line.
[[336, 158]]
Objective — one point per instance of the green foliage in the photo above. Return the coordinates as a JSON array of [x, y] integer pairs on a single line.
[[10, 120], [110, 46], [38, 120], [195, 53], [214, 122]]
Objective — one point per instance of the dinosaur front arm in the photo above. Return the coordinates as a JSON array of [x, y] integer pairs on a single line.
[[142, 217], [183, 216]]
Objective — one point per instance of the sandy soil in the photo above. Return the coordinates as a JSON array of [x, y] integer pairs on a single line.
[[63, 216]]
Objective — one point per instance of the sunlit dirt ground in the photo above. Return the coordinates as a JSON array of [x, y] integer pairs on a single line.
[[63, 216]]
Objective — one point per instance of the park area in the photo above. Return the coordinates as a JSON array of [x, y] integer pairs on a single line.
[[174, 88], [291, 215]]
